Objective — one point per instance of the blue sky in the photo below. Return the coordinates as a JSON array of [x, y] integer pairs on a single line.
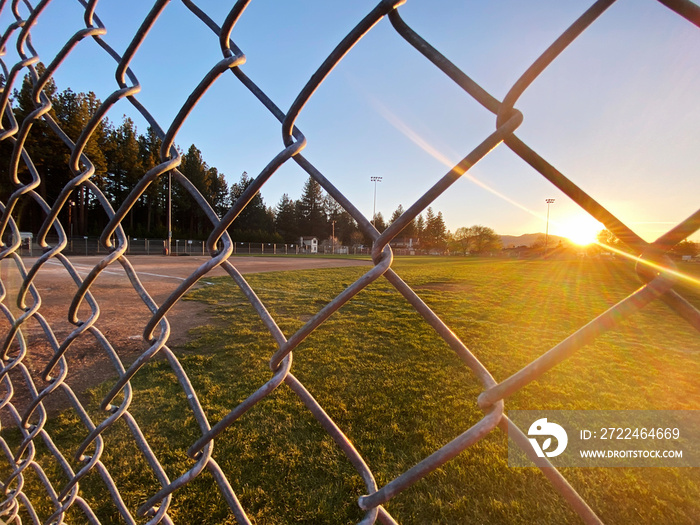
[[616, 112]]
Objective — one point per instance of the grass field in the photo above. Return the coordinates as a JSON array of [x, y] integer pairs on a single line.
[[399, 393]]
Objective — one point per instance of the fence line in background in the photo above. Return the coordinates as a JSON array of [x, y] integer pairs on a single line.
[[31, 420], [86, 245]]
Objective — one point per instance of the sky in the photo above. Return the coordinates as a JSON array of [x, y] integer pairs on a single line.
[[616, 112]]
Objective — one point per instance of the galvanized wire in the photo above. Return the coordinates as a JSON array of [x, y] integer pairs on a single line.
[[31, 420]]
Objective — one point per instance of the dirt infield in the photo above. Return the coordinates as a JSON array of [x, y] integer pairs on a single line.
[[123, 315]]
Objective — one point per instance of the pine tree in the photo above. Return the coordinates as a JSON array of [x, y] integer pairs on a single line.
[[195, 169], [311, 219], [440, 232], [408, 231], [420, 228], [345, 227], [156, 195], [48, 152], [218, 191], [331, 208], [124, 167], [73, 113], [253, 220], [286, 220], [428, 237], [120, 158], [398, 212], [435, 233], [378, 222]]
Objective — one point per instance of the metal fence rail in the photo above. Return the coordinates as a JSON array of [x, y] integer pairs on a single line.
[[656, 284], [85, 245]]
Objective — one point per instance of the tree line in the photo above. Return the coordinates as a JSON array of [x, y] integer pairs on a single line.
[[121, 156], [684, 248]]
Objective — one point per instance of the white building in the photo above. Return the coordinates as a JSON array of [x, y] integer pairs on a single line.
[[308, 244]]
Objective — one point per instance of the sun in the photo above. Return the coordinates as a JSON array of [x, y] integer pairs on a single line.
[[580, 229]]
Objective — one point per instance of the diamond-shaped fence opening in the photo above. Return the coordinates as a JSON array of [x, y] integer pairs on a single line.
[[45, 480]]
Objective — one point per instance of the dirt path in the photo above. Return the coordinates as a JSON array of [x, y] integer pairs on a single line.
[[122, 313]]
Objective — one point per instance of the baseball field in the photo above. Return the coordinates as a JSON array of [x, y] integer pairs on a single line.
[[392, 385]]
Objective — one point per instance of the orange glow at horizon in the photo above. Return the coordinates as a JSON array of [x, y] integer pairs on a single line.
[[580, 229]]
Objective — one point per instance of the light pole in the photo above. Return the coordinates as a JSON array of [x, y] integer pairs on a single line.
[[170, 212], [374, 209], [546, 234], [333, 239], [70, 222]]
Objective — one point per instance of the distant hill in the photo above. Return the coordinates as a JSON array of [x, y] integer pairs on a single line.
[[528, 239]]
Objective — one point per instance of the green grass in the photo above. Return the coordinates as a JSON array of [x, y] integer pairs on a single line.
[[399, 393]]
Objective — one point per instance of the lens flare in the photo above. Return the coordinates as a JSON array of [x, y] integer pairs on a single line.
[[579, 229]]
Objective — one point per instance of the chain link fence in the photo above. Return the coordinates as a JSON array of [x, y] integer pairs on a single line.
[[654, 270], [86, 245]]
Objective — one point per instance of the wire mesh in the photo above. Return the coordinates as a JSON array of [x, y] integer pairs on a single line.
[[32, 420]]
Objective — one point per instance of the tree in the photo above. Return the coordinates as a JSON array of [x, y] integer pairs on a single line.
[[378, 222], [218, 191], [356, 239], [477, 239], [156, 195], [464, 237], [345, 228], [48, 152], [398, 212], [254, 216], [338, 221], [685, 247], [607, 238], [538, 244], [439, 231], [311, 218], [286, 220], [120, 157], [73, 112], [124, 167], [434, 234], [420, 228], [408, 231], [485, 239], [331, 208]]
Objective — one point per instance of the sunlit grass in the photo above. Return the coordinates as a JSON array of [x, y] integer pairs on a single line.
[[399, 393]]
